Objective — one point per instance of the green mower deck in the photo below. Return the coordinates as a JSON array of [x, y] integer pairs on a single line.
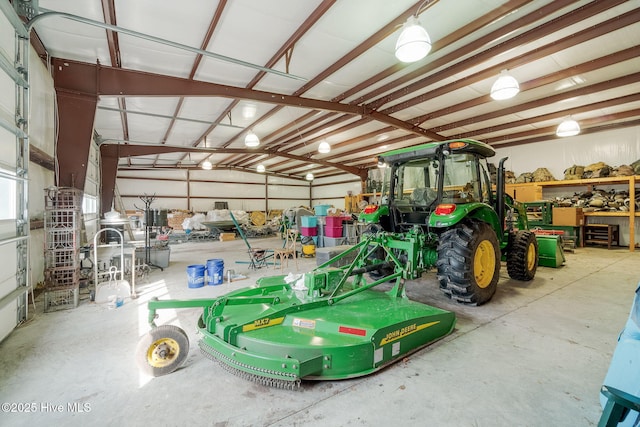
[[328, 324], [295, 339]]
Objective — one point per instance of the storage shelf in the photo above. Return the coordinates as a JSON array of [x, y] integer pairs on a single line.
[[622, 214], [590, 181], [629, 181], [602, 234]]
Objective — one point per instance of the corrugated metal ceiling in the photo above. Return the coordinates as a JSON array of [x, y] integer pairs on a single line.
[[576, 58]]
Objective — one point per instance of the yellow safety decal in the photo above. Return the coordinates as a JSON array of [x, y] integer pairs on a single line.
[[262, 323], [406, 331]]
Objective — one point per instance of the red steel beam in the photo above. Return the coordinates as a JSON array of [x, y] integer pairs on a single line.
[[76, 114]]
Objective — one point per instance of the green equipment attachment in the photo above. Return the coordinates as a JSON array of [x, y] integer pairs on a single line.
[[327, 324]]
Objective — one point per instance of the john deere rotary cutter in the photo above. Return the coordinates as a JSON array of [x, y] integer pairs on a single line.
[[328, 324], [439, 210]]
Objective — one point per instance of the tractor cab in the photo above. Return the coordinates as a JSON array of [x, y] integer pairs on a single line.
[[432, 177]]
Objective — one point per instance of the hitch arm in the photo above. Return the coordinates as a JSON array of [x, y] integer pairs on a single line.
[[155, 304]]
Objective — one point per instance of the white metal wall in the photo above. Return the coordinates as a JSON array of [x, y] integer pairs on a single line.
[[91, 208], [332, 190], [198, 190], [41, 135], [614, 147]]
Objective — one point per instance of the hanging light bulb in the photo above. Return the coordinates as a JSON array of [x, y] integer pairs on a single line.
[[324, 147], [206, 165], [505, 87], [260, 168], [568, 127], [249, 111], [309, 177], [381, 164], [251, 140], [413, 43]]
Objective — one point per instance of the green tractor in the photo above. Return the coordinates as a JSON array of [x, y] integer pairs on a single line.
[[337, 321], [444, 190]]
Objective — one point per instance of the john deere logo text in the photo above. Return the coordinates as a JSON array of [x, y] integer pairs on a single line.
[[405, 331]]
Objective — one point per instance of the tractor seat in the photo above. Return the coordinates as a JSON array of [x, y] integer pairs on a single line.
[[424, 196]]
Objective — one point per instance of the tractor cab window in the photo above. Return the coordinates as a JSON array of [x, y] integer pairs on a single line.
[[416, 184], [461, 180], [486, 182]]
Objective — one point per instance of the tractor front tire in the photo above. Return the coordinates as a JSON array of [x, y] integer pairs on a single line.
[[162, 350], [469, 263], [522, 258]]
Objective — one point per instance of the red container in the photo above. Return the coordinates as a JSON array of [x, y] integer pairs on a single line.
[[309, 231], [333, 231], [334, 221]]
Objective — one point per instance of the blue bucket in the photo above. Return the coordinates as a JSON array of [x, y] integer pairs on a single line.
[[215, 271], [322, 210], [195, 273], [309, 221]]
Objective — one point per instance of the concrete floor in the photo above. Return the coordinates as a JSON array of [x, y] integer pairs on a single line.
[[535, 355]]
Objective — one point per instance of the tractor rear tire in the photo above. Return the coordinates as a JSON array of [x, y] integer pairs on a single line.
[[162, 350], [469, 263], [522, 258]]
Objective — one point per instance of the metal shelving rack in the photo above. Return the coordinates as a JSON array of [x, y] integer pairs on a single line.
[[62, 226]]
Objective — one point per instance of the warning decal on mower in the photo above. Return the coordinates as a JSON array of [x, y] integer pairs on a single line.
[[304, 323], [352, 331], [405, 331], [262, 323]]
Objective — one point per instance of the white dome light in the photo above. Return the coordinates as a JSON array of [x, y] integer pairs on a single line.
[[324, 147], [569, 127], [249, 111], [505, 87], [206, 165], [251, 140], [413, 43], [309, 177], [260, 168]]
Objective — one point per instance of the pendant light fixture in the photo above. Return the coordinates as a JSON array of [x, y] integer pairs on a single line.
[[249, 111], [260, 168], [381, 164], [324, 147], [251, 140], [309, 177], [505, 87], [206, 165], [414, 43], [568, 127]]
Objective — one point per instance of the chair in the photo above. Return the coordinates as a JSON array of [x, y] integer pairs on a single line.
[[618, 405], [288, 250], [620, 394], [257, 257]]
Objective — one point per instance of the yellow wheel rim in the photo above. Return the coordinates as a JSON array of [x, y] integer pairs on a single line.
[[162, 352], [531, 257], [484, 264]]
